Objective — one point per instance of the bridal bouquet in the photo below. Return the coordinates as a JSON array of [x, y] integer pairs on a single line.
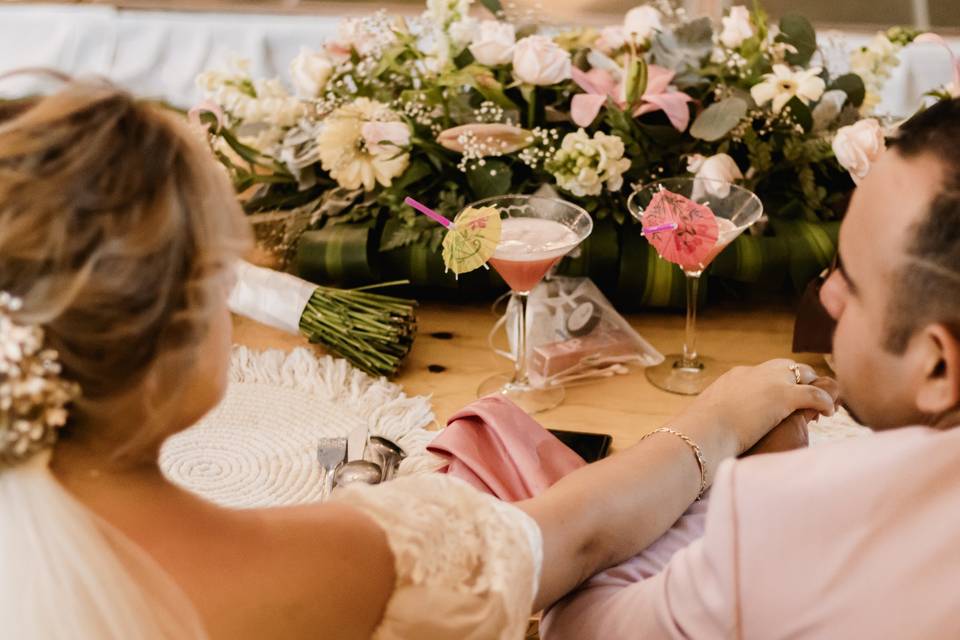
[[461, 103]]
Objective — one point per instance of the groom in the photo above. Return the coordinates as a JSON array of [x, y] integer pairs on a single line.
[[853, 540]]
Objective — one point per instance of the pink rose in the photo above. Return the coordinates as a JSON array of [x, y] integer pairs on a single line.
[[858, 146]]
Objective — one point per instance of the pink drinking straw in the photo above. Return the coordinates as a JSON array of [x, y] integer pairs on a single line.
[[427, 211], [670, 226]]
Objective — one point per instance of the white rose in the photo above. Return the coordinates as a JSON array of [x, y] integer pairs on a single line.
[[719, 167], [642, 22], [385, 137], [310, 72], [858, 146], [736, 27], [494, 43], [539, 60]]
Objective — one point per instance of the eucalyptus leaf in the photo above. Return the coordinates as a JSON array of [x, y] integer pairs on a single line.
[[718, 119], [797, 31], [696, 35], [852, 85], [685, 47]]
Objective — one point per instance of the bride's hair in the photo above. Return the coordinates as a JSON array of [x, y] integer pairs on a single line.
[[116, 231]]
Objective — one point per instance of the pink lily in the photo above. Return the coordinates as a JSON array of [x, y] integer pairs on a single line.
[[487, 138], [600, 85]]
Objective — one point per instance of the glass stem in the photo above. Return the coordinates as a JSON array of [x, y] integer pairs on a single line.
[[520, 369], [690, 356]]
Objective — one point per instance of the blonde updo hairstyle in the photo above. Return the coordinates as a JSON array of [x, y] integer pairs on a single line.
[[117, 230]]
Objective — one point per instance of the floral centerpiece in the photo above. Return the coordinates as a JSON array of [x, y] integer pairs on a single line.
[[461, 103]]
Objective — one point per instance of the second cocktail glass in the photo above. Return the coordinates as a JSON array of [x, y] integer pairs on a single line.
[[536, 234], [735, 208]]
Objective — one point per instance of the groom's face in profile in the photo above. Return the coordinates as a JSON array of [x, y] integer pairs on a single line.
[[878, 385]]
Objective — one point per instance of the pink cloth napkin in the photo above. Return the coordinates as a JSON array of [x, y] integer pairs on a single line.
[[496, 447]]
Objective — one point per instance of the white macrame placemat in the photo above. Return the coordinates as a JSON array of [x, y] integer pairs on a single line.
[[258, 447]]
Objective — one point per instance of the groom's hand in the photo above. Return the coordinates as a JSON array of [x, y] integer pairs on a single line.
[[792, 433]]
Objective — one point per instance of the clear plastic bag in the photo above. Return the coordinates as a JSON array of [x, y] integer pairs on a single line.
[[574, 334]]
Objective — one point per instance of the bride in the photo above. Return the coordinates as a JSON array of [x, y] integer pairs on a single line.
[[117, 235]]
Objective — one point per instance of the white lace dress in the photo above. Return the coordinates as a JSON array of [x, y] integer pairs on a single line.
[[467, 564]]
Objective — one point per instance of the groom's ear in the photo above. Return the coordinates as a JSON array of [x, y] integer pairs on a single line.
[[937, 350]]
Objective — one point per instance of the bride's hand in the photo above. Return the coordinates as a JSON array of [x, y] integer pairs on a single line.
[[792, 433], [750, 401]]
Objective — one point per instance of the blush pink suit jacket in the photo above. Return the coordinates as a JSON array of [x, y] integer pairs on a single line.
[[859, 539]]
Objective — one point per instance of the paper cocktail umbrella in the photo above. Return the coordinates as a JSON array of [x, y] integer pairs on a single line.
[[471, 238], [694, 236]]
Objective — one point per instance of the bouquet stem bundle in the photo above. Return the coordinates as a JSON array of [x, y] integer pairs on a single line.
[[373, 331]]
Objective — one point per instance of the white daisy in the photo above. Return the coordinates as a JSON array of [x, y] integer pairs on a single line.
[[784, 84]]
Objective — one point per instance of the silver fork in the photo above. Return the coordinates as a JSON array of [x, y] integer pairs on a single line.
[[331, 452]]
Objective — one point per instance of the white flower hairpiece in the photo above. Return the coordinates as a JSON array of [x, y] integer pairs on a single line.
[[33, 396]]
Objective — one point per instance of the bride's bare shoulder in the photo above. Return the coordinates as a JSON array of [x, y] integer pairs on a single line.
[[322, 568]]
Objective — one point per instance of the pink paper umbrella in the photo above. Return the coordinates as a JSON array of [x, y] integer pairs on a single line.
[[694, 239]]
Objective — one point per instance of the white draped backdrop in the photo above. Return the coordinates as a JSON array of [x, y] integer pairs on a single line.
[[159, 53]]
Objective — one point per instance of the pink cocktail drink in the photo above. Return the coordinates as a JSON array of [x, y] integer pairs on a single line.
[[528, 248], [523, 275]]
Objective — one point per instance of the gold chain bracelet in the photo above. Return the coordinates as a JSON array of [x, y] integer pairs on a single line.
[[701, 462]]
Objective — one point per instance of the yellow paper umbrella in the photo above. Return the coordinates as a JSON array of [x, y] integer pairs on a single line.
[[472, 239]]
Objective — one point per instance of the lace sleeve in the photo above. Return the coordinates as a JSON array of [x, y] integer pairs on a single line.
[[467, 564]]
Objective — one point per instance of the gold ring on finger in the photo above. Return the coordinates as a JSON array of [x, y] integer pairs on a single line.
[[796, 372]]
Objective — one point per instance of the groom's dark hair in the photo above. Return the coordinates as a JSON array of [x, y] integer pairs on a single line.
[[926, 288]]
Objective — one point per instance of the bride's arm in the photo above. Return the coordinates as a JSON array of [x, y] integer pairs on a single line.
[[607, 512]]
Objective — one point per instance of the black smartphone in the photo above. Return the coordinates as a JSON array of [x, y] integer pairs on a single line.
[[589, 446]]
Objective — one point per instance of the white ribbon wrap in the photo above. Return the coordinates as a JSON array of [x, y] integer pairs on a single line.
[[273, 298]]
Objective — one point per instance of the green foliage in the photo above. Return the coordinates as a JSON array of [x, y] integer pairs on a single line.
[[793, 170], [492, 179], [685, 47], [797, 31], [759, 152], [493, 6], [718, 119], [852, 85], [636, 82], [799, 113]]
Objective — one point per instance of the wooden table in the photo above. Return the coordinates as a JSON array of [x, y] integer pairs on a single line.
[[450, 367]]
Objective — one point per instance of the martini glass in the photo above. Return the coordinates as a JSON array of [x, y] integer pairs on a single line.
[[735, 208], [536, 234]]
